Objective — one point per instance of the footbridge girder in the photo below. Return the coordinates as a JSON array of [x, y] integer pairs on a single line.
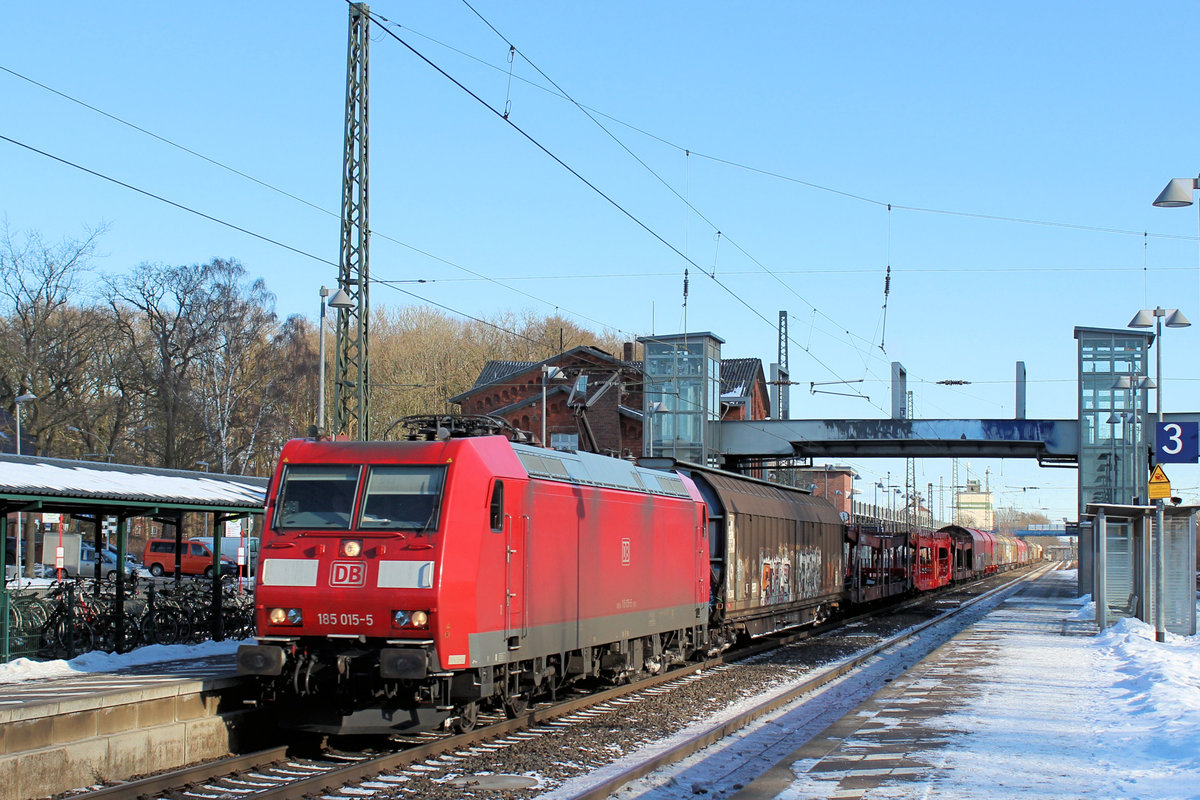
[[1053, 442]]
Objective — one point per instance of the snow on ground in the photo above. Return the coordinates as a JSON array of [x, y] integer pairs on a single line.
[[24, 669], [1110, 716], [1113, 716]]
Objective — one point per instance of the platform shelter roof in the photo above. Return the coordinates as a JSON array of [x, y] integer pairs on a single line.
[[54, 484]]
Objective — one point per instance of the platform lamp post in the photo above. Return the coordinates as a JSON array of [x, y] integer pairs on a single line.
[[23, 398], [548, 373], [341, 299], [1177, 193], [1174, 319], [321, 362]]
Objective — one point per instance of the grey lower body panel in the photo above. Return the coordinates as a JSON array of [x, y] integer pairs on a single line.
[[493, 647]]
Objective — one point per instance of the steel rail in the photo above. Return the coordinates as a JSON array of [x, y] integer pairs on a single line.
[[717, 732], [333, 779], [175, 779]]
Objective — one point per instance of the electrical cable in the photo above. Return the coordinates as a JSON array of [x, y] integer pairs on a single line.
[[162, 199], [258, 236], [563, 93], [585, 181], [285, 193]]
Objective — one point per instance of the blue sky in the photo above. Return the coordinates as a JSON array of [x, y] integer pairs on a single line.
[[1071, 116]]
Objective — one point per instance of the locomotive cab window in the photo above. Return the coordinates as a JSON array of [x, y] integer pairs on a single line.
[[403, 498], [496, 507], [317, 497]]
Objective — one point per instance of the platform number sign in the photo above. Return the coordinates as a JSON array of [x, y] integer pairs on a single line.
[[1177, 442]]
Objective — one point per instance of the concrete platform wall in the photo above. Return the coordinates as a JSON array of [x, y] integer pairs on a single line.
[[87, 742]]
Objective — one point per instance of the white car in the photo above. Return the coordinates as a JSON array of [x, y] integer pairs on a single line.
[[87, 563]]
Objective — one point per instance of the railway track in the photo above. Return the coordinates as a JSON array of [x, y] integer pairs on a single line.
[[576, 731]]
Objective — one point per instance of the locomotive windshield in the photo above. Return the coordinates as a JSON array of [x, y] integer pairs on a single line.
[[315, 496], [403, 498]]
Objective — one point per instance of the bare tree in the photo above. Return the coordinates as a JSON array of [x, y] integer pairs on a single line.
[[166, 317], [236, 379], [46, 344]]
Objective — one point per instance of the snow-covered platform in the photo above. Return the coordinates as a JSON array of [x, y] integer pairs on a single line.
[[63, 725], [1027, 702]]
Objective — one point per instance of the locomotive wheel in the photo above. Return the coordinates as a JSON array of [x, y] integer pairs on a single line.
[[516, 705], [468, 716]]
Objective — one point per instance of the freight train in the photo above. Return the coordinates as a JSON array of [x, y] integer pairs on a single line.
[[403, 586]]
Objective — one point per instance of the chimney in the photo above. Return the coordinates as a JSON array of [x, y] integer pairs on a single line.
[[627, 351]]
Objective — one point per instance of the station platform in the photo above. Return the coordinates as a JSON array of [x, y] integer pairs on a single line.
[[1017, 705], [58, 734]]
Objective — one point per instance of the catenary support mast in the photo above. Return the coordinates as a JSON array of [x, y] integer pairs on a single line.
[[351, 388]]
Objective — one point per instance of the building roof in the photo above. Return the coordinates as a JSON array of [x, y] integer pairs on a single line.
[[498, 371], [738, 376]]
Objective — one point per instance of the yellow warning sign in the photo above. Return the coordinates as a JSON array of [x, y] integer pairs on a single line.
[[1159, 488]]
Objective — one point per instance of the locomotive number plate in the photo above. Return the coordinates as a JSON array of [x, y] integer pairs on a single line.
[[346, 619]]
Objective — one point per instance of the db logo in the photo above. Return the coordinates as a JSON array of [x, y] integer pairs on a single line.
[[625, 551], [348, 573]]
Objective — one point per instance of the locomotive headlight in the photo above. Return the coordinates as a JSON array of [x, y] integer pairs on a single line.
[[351, 548], [285, 616], [410, 619]]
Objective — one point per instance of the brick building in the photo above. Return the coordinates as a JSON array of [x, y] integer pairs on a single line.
[[744, 389], [513, 390], [835, 482]]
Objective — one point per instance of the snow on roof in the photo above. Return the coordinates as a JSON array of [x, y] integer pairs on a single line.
[[63, 478]]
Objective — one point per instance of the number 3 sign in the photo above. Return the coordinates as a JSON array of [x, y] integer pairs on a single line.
[[1177, 442]]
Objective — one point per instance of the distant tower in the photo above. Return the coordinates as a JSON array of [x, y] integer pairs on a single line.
[[351, 399], [910, 472], [781, 375]]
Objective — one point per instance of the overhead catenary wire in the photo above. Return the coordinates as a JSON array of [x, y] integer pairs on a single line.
[[390, 284], [601, 193], [730, 162], [283, 192], [267, 239], [248, 232], [682, 197], [482, 277]]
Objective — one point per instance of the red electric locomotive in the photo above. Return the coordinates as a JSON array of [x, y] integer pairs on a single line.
[[402, 585]]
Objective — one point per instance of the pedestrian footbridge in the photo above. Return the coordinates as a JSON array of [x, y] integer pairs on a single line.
[[1053, 442]]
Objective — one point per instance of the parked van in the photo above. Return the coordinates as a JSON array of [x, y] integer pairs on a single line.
[[196, 558], [229, 548]]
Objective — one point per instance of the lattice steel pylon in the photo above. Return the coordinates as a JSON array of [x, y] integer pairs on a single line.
[[910, 474], [351, 397]]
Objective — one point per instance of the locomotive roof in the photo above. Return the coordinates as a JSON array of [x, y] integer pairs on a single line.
[[538, 462], [597, 470]]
